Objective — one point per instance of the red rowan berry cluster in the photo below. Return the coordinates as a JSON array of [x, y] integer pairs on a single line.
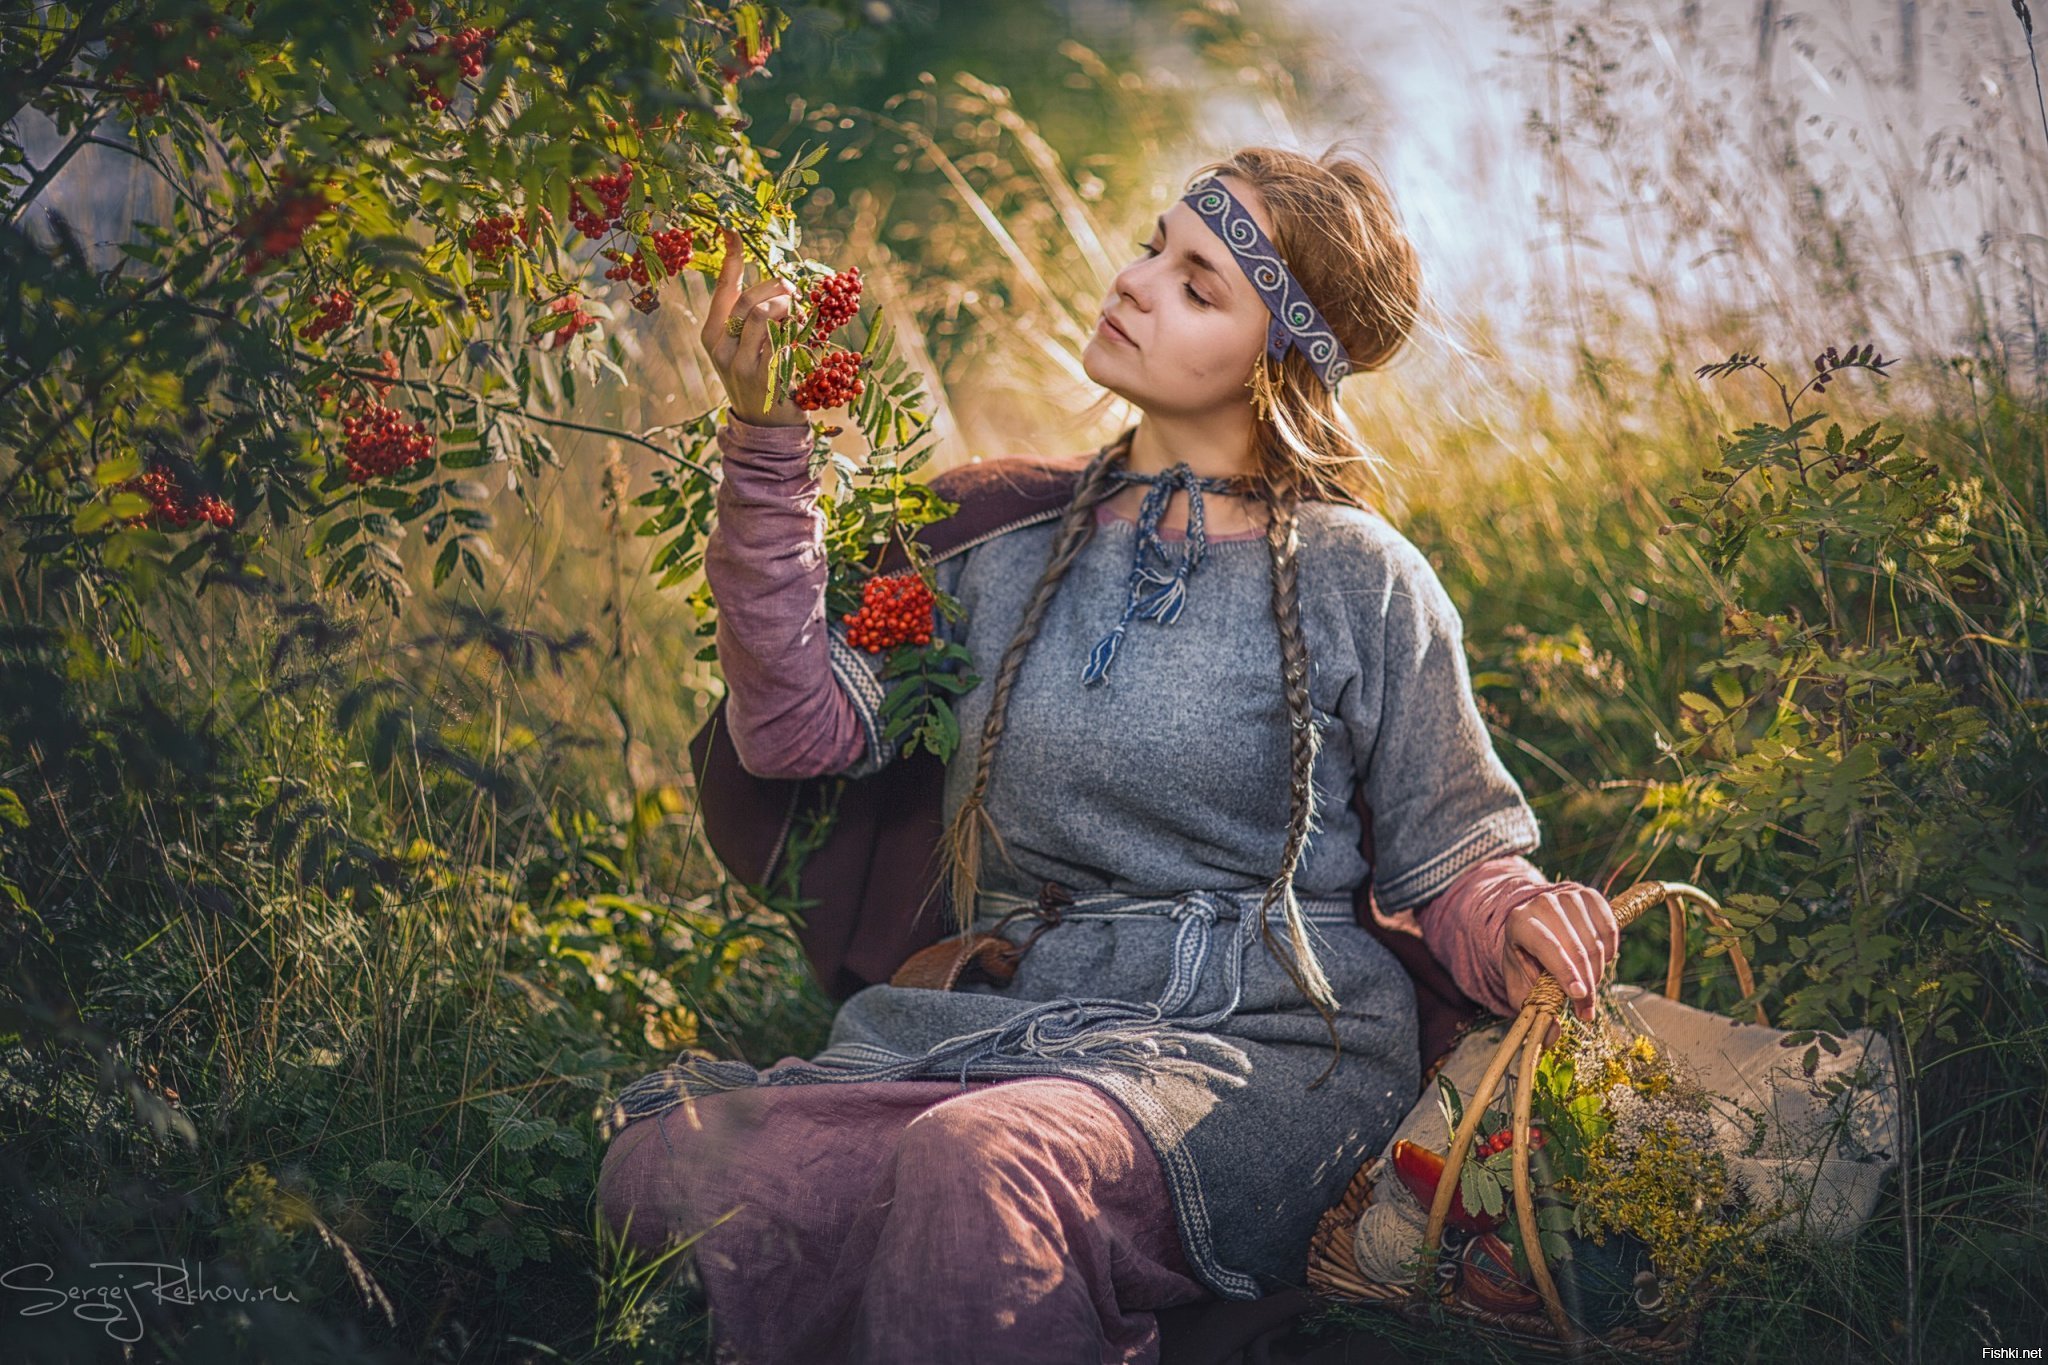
[[168, 502], [491, 237], [1505, 1138], [577, 319], [380, 441], [751, 59], [833, 381], [397, 14], [895, 609], [148, 101], [673, 246], [336, 311], [150, 40], [610, 191], [626, 265], [469, 48], [834, 302], [275, 228]]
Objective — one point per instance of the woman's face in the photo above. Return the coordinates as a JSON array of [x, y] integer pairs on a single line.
[[1195, 324]]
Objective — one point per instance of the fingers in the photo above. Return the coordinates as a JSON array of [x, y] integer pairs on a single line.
[[1573, 933], [755, 306], [765, 301], [740, 357], [1560, 960], [725, 292], [1597, 928], [1608, 923]]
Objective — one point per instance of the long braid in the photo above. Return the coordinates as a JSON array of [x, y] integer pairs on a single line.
[[960, 845], [1305, 742]]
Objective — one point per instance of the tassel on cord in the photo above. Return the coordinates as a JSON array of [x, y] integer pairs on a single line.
[[1163, 604], [1102, 656]]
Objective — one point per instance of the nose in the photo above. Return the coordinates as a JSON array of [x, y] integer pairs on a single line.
[[1134, 283]]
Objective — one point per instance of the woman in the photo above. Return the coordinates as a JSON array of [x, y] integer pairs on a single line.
[[1195, 1052]]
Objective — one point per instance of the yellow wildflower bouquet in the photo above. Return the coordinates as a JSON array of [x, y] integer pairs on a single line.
[[1637, 1210]]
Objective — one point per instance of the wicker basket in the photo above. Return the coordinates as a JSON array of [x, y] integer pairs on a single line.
[[1332, 1268]]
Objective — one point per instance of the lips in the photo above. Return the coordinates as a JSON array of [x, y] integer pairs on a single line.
[[1109, 325]]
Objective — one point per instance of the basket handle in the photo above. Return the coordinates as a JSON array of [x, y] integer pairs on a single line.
[[1545, 998], [1675, 896]]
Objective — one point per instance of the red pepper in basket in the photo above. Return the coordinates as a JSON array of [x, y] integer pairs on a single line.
[[1420, 1169]]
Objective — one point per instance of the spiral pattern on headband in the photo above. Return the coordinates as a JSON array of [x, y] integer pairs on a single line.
[[1296, 321]]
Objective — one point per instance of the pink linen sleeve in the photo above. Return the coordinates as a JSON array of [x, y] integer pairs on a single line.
[[1466, 926], [765, 562]]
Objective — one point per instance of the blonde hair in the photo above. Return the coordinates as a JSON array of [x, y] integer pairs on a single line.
[[1335, 226]]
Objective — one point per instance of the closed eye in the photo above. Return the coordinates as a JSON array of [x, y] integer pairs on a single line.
[[1151, 250]]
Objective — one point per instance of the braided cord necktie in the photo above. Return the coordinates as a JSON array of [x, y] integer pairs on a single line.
[[1160, 592]]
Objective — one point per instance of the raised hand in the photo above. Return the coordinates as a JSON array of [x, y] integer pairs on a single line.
[[742, 361]]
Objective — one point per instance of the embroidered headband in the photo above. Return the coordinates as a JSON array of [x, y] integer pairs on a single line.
[[1296, 321]]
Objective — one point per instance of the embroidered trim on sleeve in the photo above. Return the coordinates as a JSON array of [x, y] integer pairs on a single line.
[[856, 676], [1512, 830]]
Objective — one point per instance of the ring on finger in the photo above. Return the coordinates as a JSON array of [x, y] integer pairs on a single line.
[[734, 325]]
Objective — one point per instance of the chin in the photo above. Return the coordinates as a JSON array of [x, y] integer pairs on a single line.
[[1105, 375]]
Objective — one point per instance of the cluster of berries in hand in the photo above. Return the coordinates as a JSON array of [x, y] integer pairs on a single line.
[[490, 238], [834, 302], [610, 191], [895, 609], [834, 380], [336, 310], [168, 502], [275, 228], [1505, 1138]]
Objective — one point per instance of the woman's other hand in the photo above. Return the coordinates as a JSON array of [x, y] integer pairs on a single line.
[[742, 361], [1569, 931]]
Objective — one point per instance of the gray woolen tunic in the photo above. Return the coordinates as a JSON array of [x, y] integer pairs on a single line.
[[1162, 797]]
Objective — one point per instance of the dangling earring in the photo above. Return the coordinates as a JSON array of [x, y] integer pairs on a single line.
[[1265, 387]]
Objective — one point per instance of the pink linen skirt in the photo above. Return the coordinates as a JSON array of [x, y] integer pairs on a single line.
[[1020, 1220]]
